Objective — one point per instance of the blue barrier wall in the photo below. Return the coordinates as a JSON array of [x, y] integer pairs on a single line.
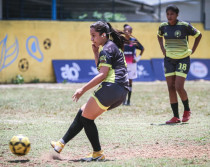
[[147, 70]]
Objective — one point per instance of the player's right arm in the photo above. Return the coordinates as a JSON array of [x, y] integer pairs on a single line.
[[160, 39]]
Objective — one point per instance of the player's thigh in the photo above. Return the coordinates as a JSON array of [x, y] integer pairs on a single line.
[[183, 67], [169, 66], [91, 109]]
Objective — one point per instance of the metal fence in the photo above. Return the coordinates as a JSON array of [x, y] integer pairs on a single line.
[[91, 10]]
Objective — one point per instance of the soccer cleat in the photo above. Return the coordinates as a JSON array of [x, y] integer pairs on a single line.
[[95, 156], [58, 146], [173, 120], [186, 116]]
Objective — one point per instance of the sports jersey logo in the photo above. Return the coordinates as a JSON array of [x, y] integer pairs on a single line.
[[177, 33], [70, 73], [102, 59]]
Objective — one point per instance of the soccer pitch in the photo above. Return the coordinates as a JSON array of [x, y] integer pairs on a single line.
[[133, 135]]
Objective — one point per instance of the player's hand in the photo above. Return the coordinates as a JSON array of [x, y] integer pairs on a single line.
[[78, 93], [95, 49], [134, 61]]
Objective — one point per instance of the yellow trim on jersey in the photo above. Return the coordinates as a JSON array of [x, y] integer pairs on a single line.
[[111, 76], [123, 57], [182, 23], [159, 35], [99, 103], [106, 65], [197, 34], [170, 74], [181, 74]]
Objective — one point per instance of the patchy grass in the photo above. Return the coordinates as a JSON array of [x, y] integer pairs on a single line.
[[130, 136]]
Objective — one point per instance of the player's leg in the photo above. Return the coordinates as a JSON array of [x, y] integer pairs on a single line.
[[75, 127], [170, 67], [181, 74], [173, 99], [130, 91]]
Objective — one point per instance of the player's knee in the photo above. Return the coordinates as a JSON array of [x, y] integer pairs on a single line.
[[171, 87], [86, 121], [179, 88]]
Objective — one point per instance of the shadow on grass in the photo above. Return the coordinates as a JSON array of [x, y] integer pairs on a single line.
[[175, 124], [80, 160], [19, 161]]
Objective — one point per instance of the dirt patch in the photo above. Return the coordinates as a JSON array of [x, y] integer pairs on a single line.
[[145, 151]]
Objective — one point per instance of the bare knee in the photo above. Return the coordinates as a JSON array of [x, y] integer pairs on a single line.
[[179, 88], [171, 87]]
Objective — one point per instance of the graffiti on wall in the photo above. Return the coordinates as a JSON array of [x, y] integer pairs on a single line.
[[33, 49], [8, 54]]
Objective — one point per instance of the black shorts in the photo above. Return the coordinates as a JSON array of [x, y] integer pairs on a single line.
[[178, 67], [109, 95]]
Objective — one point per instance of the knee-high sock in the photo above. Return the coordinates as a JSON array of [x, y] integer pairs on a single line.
[[175, 109], [92, 133], [129, 95], [186, 105], [74, 128]]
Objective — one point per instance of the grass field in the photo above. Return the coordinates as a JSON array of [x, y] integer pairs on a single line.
[[133, 135]]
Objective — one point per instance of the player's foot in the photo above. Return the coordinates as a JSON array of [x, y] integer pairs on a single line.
[[186, 116], [173, 120], [58, 146], [94, 156]]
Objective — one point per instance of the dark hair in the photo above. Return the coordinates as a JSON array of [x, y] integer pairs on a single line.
[[127, 26], [174, 8], [105, 27]]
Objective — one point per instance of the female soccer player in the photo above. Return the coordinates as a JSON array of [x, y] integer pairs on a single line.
[[130, 57], [177, 58], [111, 92]]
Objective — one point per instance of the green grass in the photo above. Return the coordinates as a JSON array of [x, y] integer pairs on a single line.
[[130, 136]]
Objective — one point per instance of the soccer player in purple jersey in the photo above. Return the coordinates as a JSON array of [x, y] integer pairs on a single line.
[[130, 48]]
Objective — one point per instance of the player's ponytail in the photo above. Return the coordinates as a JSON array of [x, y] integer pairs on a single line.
[[117, 37], [114, 35]]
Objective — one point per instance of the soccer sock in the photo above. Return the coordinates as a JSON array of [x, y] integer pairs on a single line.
[[174, 107], [129, 94], [74, 128], [186, 105], [92, 133]]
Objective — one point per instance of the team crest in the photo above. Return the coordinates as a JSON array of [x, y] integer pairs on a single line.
[[177, 33], [102, 59]]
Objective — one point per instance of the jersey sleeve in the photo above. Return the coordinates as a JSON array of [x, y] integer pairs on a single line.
[[160, 31], [105, 59], [192, 31], [138, 45]]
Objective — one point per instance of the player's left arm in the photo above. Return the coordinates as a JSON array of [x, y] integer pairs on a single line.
[[140, 47], [104, 70], [196, 42], [195, 33]]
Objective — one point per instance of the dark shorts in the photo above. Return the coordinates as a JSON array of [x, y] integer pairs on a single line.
[[109, 95], [178, 67]]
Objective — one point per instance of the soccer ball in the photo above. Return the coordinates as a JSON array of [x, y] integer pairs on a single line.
[[19, 145]]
